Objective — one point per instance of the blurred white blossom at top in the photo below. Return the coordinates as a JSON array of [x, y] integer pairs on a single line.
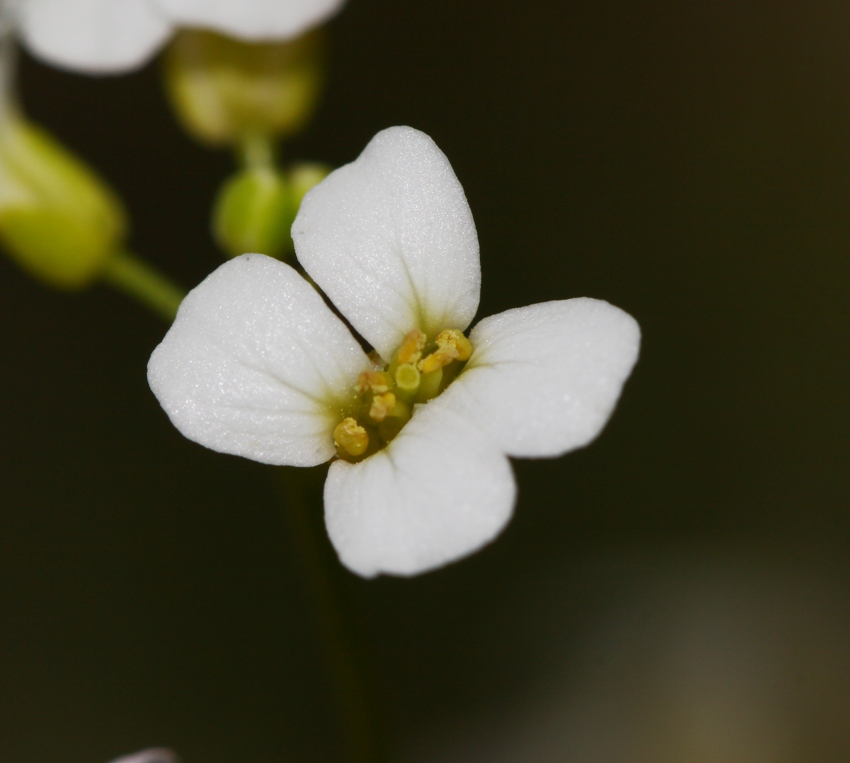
[[111, 36], [158, 755]]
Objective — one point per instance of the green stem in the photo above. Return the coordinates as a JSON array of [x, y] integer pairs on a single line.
[[353, 694], [142, 282], [257, 151]]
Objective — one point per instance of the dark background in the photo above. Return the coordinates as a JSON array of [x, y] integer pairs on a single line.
[[677, 591]]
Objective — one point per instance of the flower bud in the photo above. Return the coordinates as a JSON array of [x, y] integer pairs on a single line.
[[302, 177], [58, 219], [255, 209], [254, 212], [224, 90]]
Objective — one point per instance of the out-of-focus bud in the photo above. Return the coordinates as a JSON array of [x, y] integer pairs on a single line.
[[224, 90], [302, 177], [58, 219], [255, 208], [254, 212]]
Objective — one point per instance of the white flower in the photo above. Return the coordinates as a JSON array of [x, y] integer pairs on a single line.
[[119, 35], [257, 365]]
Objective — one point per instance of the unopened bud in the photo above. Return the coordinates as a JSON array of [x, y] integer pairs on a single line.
[[253, 213], [224, 90], [303, 176], [58, 219]]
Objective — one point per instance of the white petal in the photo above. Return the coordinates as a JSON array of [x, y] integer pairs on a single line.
[[97, 36], [390, 239], [159, 755], [438, 492], [251, 19], [544, 379], [255, 363]]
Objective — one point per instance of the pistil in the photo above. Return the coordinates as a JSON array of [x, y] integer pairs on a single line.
[[407, 378]]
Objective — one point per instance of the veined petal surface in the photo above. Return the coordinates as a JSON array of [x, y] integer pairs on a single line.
[[159, 755], [96, 36], [251, 19], [544, 379], [255, 363], [391, 240], [436, 493]]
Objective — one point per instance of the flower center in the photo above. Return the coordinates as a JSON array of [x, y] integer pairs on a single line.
[[385, 397]]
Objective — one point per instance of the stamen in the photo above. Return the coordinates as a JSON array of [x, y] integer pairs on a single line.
[[456, 339], [381, 406], [429, 387], [441, 357], [378, 382], [395, 421], [350, 437], [386, 398], [411, 348]]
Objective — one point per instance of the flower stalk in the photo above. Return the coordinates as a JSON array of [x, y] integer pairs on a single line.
[[344, 661], [140, 281]]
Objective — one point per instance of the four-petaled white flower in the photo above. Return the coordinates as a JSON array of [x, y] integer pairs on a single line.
[[119, 35], [257, 365]]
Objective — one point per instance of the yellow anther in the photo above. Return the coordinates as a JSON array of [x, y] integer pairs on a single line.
[[407, 377], [351, 437], [438, 359], [456, 339], [381, 406], [374, 381], [411, 348]]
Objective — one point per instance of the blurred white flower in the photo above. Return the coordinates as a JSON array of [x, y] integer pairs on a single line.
[[158, 755], [102, 36], [257, 365]]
